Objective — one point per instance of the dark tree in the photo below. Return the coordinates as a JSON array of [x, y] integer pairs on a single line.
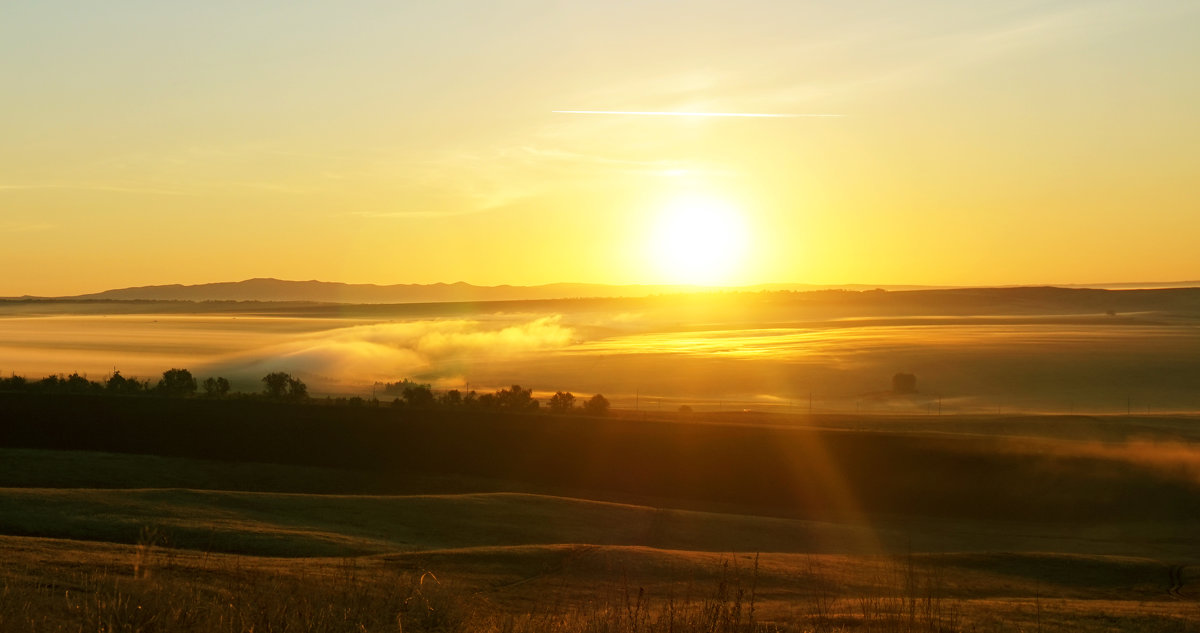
[[516, 398], [115, 383], [13, 383], [904, 383], [297, 390], [120, 384], [78, 384], [420, 396], [452, 398], [280, 385], [562, 401], [596, 405], [394, 388], [177, 382], [216, 387], [275, 384]]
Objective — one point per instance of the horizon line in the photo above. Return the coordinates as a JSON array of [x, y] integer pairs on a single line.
[[794, 286]]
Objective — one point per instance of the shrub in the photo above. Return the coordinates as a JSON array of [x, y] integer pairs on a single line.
[[177, 382], [216, 387], [562, 401], [596, 405], [280, 385]]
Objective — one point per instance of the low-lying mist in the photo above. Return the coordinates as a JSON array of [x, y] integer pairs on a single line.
[[437, 351], [649, 358]]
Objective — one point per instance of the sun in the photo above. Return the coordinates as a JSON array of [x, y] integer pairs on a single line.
[[699, 240]]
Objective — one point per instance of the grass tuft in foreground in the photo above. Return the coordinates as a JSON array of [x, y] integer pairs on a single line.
[[150, 588]]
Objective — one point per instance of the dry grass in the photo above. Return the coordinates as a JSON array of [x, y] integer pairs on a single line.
[[149, 560], [59, 586]]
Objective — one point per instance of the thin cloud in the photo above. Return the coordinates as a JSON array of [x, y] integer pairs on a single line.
[[89, 187], [420, 213], [500, 177], [950, 47], [592, 160], [749, 115]]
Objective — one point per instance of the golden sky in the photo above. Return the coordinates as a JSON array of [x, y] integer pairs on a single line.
[[400, 142]]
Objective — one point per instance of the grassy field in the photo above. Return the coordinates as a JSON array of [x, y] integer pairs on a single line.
[[68, 585], [100, 541], [794, 467]]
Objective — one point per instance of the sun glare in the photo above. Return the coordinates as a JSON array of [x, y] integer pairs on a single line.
[[699, 240]]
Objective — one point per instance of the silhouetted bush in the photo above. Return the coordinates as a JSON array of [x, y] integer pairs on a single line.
[[396, 388], [78, 384], [596, 405], [216, 387], [280, 385], [420, 396], [64, 384], [297, 390], [514, 398], [275, 384], [561, 402], [177, 382], [452, 398], [49, 384], [118, 384]]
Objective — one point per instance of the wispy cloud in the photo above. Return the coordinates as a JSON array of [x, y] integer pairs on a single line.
[[854, 59], [419, 213], [498, 177], [926, 49], [749, 115], [132, 189], [546, 155]]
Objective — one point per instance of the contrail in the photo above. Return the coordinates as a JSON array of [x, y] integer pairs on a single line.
[[761, 115]]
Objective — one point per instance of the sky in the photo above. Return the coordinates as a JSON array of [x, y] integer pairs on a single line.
[[417, 142]]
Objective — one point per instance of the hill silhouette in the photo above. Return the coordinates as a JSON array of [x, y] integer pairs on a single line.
[[313, 291], [270, 289]]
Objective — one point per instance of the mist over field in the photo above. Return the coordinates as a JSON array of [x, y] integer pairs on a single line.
[[969, 492], [725, 353]]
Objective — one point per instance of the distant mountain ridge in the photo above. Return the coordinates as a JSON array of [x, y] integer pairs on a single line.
[[270, 289], [312, 291]]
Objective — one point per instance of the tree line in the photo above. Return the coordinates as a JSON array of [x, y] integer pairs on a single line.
[[514, 398], [180, 383], [175, 382]]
